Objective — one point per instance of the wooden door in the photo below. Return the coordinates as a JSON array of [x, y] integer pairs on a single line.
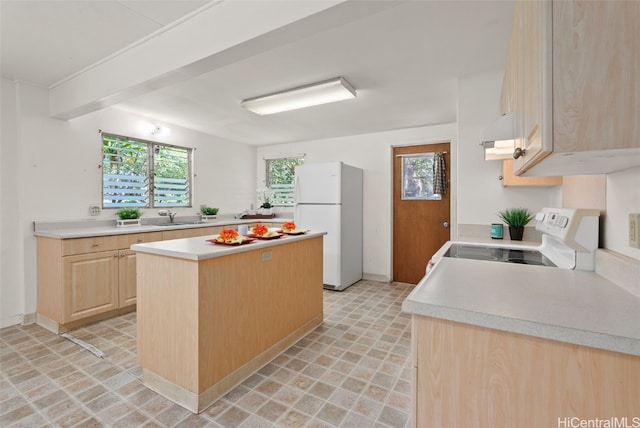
[[420, 226]]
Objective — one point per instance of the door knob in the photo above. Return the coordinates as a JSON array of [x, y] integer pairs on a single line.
[[445, 224]]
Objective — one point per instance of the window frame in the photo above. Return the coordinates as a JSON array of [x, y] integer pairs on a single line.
[[150, 171], [428, 179], [268, 178]]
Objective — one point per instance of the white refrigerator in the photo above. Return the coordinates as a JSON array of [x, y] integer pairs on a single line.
[[329, 198]]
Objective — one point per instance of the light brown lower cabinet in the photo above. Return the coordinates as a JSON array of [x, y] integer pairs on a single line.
[[470, 376], [82, 280], [99, 282]]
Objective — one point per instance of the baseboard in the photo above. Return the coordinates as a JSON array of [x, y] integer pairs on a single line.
[[29, 319], [12, 320], [49, 324], [19, 319], [376, 277]]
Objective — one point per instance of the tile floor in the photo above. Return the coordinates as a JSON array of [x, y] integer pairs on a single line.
[[353, 371]]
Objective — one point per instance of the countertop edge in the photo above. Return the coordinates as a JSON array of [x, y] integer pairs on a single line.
[[163, 248], [603, 341], [90, 231]]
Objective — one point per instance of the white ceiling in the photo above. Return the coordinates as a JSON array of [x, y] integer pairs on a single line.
[[403, 59]]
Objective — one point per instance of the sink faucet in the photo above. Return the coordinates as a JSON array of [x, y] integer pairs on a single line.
[[167, 213]]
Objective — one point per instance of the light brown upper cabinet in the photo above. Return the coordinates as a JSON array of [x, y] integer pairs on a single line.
[[572, 80]]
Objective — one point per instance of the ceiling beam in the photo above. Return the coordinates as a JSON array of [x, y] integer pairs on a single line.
[[218, 34]]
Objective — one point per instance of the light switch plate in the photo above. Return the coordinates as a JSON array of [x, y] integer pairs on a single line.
[[634, 230], [266, 256]]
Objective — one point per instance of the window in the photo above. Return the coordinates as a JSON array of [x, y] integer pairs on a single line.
[[280, 179], [138, 173], [417, 177]]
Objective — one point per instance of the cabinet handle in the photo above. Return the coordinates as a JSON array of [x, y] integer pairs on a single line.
[[115, 255], [518, 153], [139, 240], [95, 244]]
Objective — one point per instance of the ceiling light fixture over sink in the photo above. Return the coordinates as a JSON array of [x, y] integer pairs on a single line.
[[314, 94]]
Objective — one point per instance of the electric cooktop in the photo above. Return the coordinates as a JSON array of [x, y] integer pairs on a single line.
[[497, 254]]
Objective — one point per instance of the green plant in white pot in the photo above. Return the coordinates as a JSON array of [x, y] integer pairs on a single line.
[[128, 217], [208, 212], [516, 219], [128, 213]]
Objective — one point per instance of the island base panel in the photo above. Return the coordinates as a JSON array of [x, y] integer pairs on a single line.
[[197, 403]]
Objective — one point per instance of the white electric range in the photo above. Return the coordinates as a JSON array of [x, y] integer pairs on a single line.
[[569, 241]]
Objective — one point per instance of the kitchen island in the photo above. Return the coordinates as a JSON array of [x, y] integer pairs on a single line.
[[211, 315]]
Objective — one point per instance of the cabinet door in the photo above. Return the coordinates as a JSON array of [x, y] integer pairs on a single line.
[[534, 125], [126, 278], [91, 284], [596, 63], [510, 79]]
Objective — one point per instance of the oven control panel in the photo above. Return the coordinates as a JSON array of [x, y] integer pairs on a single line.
[[553, 220], [577, 228]]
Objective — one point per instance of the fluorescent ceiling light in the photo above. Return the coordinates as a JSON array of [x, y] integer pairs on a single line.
[[325, 92]]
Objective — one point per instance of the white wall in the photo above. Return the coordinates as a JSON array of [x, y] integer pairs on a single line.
[[52, 173], [11, 262], [480, 192], [623, 198], [372, 153]]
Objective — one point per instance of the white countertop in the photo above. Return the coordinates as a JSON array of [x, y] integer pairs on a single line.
[[571, 306], [86, 228], [199, 249]]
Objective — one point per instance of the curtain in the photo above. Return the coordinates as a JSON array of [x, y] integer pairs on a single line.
[[439, 174]]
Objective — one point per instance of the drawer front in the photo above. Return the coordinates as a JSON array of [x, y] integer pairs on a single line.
[[139, 238], [90, 245], [190, 233]]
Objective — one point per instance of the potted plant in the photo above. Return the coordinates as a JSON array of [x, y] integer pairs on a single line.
[[516, 219], [208, 213], [128, 217]]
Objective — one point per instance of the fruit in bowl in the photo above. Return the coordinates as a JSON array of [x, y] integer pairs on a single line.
[[229, 236], [288, 226]]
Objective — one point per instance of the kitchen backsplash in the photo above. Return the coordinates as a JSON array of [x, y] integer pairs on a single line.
[[483, 231]]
